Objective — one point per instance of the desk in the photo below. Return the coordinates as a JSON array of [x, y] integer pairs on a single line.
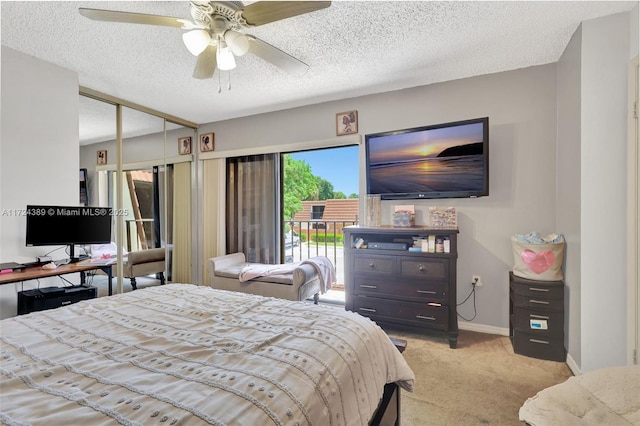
[[38, 272]]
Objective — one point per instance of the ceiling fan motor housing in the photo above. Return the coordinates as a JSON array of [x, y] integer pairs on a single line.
[[218, 16]]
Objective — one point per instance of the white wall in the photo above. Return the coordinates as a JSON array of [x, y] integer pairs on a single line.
[[38, 151], [592, 90], [605, 61]]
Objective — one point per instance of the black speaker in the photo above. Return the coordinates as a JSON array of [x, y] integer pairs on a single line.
[[52, 297]]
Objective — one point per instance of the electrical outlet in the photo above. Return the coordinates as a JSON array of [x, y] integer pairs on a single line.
[[477, 279]]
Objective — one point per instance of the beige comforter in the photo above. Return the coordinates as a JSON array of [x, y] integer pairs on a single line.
[[189, 355], [609, 396]]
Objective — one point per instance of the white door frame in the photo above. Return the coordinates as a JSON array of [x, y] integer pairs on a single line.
[[633, 210]]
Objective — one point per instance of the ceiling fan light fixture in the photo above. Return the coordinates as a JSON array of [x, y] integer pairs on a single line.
[[224, 57], [237, 42], [196, 41]]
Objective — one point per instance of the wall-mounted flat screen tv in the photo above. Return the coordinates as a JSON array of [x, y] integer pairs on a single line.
[[449, 160]]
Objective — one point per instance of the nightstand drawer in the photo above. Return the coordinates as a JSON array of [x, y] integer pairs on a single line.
[[538, 302], [540, 322], [433, 269], [538, 291], [373, 265], [432, 316], [538, 346], [418, 289]]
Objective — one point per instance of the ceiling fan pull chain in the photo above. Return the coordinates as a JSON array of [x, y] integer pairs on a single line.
[[229, 84], [219, 83]]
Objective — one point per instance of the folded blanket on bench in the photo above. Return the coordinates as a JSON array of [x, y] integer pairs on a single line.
[[323, 266]]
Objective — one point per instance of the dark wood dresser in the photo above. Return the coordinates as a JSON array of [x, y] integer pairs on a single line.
[[410, 290], [536, 318]]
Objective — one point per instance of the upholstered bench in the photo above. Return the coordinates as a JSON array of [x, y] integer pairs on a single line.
[[303, 283], [145, 262]]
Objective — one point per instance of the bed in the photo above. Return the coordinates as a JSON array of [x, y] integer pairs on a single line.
[[183, 354]]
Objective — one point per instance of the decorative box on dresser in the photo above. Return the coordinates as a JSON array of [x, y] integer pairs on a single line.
[[536, 318], [412, 290]]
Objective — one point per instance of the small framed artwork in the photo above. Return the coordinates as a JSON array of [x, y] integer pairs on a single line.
[[102, 156], [206, 142], [184, 145], [346, 123]]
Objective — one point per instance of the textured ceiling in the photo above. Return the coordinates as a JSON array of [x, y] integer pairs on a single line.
[[352, 48]]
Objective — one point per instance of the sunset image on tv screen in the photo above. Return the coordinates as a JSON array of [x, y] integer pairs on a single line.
[[447, 159]]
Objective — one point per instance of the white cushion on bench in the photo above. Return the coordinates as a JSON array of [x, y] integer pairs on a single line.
[[302, 284]]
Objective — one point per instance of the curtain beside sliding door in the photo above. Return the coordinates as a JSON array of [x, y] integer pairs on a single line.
[[252, 207], [181, 252], [213, 212]]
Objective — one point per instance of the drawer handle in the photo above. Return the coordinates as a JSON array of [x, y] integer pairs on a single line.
[[538, 341], [372, 265], [421, 268], [426, 291], [368, 286], [539, 302], [427, 318], [68, 302], [539, 289], [544, 317], [367, 309]]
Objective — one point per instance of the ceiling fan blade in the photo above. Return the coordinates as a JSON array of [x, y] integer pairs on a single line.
[[135, 18], [263, 12], [276, 56], [206, 64]]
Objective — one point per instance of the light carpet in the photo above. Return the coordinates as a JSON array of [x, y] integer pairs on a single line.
[[482, 382]]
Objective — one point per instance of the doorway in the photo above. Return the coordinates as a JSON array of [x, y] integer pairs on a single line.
[[320, 191]]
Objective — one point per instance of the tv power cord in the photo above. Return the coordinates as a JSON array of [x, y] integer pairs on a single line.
[[472, 292]]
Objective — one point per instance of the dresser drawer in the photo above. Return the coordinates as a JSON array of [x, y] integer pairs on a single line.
[[538, 302], [549, 348], [432, 269], [419, 289], [371, 264], [432, 316], [535, 320]]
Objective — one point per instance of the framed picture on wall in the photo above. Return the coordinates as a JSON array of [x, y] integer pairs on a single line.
[[102, 156], [206, 142], [346, 123], [184, 145]]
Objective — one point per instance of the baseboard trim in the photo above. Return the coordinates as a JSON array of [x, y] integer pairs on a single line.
[[573, 366], [482, 328]]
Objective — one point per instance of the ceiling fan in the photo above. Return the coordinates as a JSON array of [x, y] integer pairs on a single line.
[[215, 36]]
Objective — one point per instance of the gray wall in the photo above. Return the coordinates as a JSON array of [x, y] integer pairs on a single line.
[[568, 186], [38, 153], [521, 106]]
